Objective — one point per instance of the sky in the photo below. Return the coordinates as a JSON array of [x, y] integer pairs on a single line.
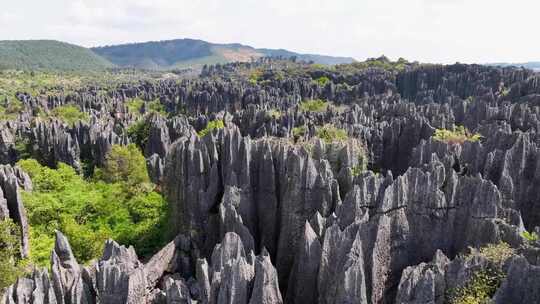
[[438, 31]]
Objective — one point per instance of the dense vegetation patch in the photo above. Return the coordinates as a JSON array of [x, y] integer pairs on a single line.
[[135, 105], [138, 133], [458, 135], [299, 132], [314, 105], [11, 266], [118, 203], [381, 63], [10, 108], [273, 114], [70, 114], [497, 253], [479, 289], [329, 133], [210, 126], [484, 283], [155, 106], [322, 81], [255, 77]]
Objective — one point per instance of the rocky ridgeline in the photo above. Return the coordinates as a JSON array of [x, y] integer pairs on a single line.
[[262, 217]]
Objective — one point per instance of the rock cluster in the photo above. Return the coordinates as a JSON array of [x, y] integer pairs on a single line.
[[263, 217]]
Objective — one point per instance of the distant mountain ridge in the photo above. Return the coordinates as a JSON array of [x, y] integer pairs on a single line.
[[183, 53], [156, 55], [48, 55], [533, 65]]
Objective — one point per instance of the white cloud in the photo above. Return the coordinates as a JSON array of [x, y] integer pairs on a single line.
[[424, 30]]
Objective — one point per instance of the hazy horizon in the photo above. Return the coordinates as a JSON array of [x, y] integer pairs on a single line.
[[439, 31]]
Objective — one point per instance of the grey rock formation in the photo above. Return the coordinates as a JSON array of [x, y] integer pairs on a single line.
[[12, 181], [262, 217]]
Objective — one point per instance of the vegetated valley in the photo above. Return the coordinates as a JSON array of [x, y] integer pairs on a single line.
[[271, 181]]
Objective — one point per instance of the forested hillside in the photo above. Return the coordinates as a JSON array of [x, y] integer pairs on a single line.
[[183, 53], [48, 55]]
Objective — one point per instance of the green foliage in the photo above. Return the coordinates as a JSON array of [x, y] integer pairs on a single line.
[[322, 81], [316, 105], [255, 77], [139, 133], [135, 105], [212, 125], [382, 63], [361, 166], [329, 133], [273, 113], [125, 165], [497, 253], [505, 92], [11, 266], [22, 147], [530, 236], [70, 114], [90, 211], [458, 135], [479, 289], [155, 106], [10, 109], [484, 283], [299, 132]]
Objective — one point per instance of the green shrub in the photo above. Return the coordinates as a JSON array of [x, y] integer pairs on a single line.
[[135, 105], [458, 135], [299, 132], [382, 63], [156, 106], [11, 265], [126, 165], [497, 253], [484, 283], [479, 289], [70, 114], [530, 236], [316, 105], [22, 147], [361, 166], [255, 77], [116, 205], [329, 133], [322, 81], [273, 113], [210, 126], [138, 133]]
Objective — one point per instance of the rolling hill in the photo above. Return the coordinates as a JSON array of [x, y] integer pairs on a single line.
[[182, 53], [158, 55], [528, 65], [48, 55]]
